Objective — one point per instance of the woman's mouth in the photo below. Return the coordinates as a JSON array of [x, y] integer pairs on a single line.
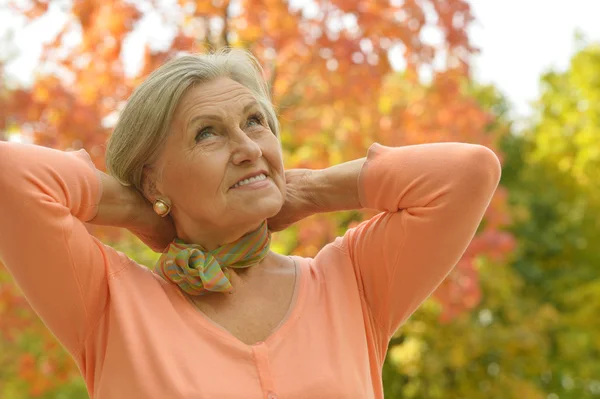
[[250, 180]]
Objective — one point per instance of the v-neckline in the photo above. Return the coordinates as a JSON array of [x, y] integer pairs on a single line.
[[197, 316]]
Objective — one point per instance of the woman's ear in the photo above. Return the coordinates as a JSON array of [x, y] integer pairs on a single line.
[[149, 188]]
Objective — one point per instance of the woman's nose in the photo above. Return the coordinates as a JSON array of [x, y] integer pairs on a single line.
[[245, 149]]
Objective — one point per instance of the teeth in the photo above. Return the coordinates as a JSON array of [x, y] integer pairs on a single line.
[[250, 180]]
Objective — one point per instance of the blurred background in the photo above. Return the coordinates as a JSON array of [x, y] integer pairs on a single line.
[[519, 316]]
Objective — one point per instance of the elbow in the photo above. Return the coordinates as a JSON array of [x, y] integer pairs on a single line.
[[483, 166]]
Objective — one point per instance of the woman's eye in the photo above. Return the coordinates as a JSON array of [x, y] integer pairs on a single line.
[[204, 133], [254, 120]]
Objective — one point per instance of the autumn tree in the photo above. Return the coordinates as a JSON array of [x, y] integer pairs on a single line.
[[480, 353], [553, 172], [328, 66], [533, 334]]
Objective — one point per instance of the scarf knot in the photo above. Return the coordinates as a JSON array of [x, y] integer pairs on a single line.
[[197, 271]]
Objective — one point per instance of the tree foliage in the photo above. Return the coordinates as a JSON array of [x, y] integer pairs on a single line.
[[328, 67], [556, 196], [534, 333]]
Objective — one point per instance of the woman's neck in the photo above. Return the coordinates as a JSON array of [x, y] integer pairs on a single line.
[[213, 238]]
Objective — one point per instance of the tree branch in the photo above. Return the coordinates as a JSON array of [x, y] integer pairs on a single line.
[[225, 31], [273, 77], [207, 43]]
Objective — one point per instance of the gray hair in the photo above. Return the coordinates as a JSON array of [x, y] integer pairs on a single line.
[[143, 125]]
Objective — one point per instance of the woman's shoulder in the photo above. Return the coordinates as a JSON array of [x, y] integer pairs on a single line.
[[333, 256], [119, 263]]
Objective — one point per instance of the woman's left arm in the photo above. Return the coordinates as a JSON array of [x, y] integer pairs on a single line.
[[432, 198]]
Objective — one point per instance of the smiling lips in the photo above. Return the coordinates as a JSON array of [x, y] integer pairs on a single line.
[[254, 177]]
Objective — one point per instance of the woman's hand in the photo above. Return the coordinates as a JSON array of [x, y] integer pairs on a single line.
[[125, 207], [154, 231], [299, 200], [316, 191]]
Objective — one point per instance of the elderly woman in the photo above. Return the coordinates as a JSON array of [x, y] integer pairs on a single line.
[[196, 172]]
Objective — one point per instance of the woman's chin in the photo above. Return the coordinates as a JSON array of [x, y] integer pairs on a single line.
[[250, 212], [258, 213]]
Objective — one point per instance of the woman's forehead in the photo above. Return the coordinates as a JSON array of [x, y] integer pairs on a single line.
[[215, 97], [219, 89]]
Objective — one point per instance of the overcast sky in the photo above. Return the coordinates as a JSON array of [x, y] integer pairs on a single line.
[[521, 39]]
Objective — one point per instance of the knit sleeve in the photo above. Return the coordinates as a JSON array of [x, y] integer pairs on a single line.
[[432, 198], [46, 195]]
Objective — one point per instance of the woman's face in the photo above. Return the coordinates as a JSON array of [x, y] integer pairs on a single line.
[[219, 137]]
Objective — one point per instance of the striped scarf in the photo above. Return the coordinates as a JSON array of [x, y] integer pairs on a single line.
[[197, 271]]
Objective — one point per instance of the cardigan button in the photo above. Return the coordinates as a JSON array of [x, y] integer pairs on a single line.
[[271, 395]]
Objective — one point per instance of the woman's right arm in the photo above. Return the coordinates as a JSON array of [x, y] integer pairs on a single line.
[[46, 195]]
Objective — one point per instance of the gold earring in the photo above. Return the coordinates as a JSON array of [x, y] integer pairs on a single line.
[[161, 208]]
